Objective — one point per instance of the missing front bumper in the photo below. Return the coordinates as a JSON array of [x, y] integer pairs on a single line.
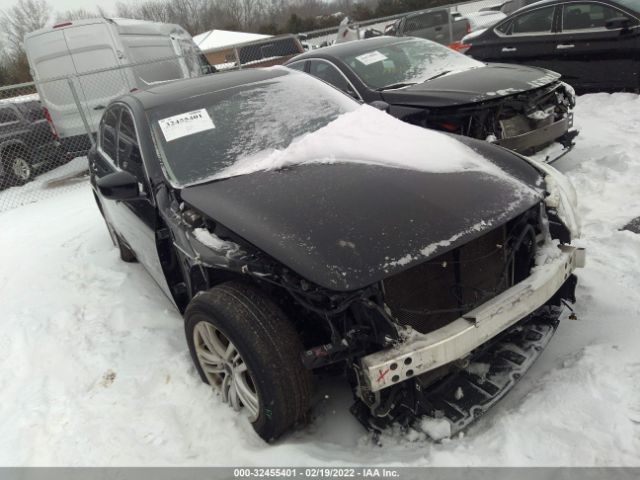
[[543, 136], [425, 352]]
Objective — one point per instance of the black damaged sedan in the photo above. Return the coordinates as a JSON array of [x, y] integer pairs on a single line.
[[424, 83], [293, 243], [595, 45]]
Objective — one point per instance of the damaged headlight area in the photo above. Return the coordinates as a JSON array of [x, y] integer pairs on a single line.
[[561, 202], [441, 341], [524, 122], [475, 319]]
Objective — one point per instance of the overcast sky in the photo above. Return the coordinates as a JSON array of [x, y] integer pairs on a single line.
[[64, 5]]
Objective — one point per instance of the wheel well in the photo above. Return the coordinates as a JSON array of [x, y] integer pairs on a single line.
[[8, 151], [311, 333]]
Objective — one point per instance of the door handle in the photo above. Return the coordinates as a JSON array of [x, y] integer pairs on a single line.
[[99, 107], [509, 49], [564, 46]]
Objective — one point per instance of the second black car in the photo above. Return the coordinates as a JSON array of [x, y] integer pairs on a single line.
[[594, 45], [424, 83]]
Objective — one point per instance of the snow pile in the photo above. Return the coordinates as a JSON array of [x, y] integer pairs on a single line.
[[211, 240], [30, 97], [436, 428], [218, 39], [370, 136], [96, 371], [46, 185]]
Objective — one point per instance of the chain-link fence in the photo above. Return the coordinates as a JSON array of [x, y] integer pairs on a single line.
[[34, 162], [445, 24], [48, 126], [257, 53]]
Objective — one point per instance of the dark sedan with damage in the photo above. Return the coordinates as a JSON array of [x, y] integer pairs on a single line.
[[595, 45], [297, 236], [521, 108]]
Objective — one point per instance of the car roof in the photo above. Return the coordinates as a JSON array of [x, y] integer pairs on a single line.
[[632, 5], [348, 49], [176, 91], [542, 3]]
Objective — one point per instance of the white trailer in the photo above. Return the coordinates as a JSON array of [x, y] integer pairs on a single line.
[[91, 59]]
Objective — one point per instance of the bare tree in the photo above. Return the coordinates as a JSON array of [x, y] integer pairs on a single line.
[[77, 14], [24, 17]]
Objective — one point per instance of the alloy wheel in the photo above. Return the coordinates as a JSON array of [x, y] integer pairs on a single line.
[[225, 368], [21, 169]]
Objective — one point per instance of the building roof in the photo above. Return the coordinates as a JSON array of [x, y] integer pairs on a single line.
[[215, 39]]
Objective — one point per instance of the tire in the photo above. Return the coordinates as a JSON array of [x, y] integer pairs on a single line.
[[126, 254], [265, 342], [19, 170]]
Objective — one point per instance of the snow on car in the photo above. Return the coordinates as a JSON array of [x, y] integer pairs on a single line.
[[423, 83], [299, 231], [95, 360]]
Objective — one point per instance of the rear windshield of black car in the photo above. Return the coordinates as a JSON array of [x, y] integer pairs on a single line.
[[201, 136]]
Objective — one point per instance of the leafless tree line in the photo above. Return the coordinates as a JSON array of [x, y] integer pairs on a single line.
[[196, 16]]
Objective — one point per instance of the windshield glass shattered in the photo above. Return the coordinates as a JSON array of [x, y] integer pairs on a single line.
[[205, 135], [407, 62]]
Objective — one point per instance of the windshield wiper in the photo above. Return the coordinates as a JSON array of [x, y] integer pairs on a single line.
[[395, 85], [438, 75]]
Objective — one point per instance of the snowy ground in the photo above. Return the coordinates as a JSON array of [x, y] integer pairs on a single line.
[[46, 185], [94, 369]]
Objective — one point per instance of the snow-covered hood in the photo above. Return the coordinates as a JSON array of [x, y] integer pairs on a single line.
[[346, 225], [479, 84]]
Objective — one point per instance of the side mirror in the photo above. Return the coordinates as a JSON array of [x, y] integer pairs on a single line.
[[119, 186], [381, 105], [208, 69], [617, 22]]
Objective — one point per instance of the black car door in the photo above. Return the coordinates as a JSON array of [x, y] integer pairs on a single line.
[[134, 221], [433, 25], [594, 57], [527, 38]]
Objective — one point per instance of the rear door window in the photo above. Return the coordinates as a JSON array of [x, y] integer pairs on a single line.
[[108, 132], [533, 22], [34, 112], [129, 157], [587, 16], [8, 115]]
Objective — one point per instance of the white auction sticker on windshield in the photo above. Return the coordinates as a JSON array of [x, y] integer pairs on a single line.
[[371, 57], [185, 124]]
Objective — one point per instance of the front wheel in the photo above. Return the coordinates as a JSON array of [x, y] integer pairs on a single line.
[[19, 169], [243, 345]]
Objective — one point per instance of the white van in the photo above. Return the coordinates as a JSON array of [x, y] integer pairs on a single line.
[[69, 50]]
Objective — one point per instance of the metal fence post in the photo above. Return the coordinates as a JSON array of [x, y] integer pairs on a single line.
[[237, 54], [80, 109], [450, 24]]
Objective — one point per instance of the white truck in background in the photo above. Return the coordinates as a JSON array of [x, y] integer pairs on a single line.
[[90, 58]]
